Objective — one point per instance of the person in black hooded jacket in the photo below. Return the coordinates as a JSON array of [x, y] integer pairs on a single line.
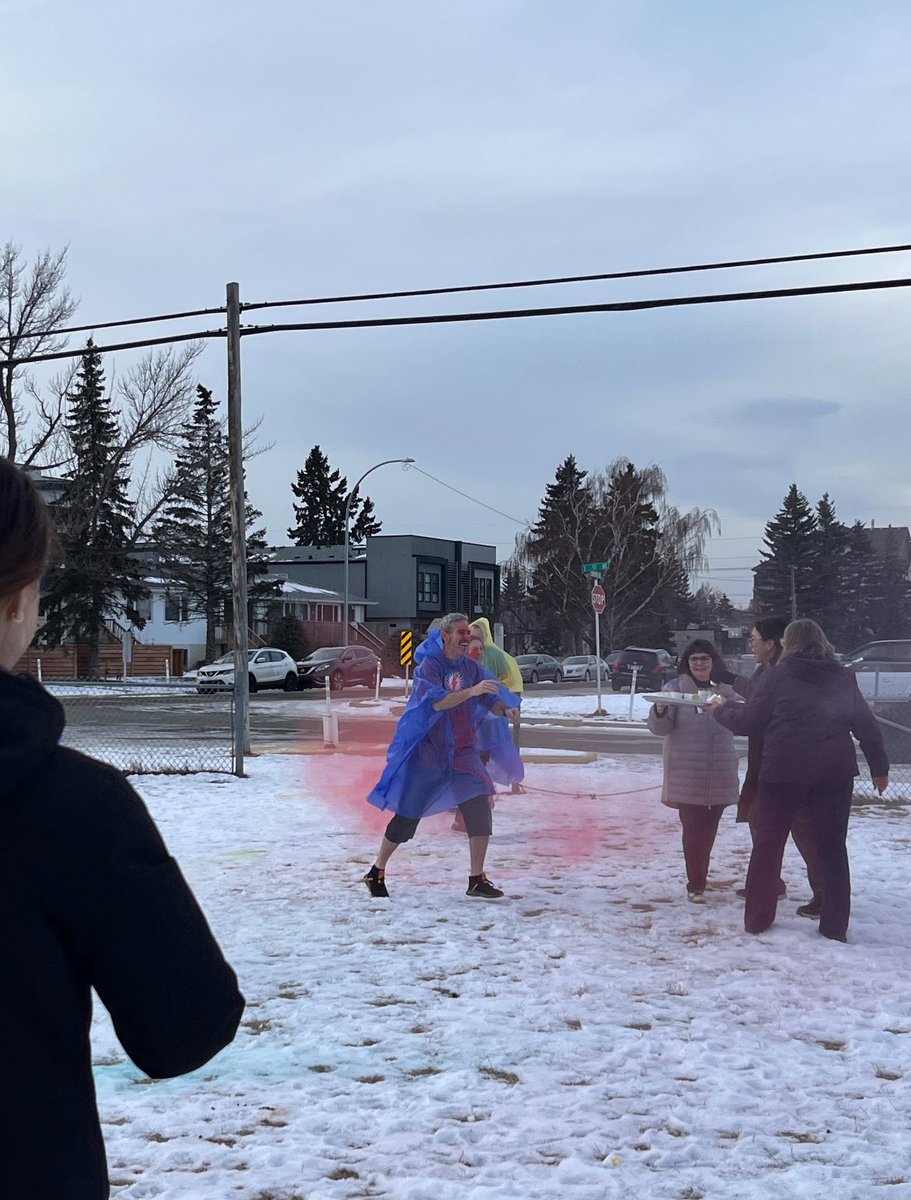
[[806, 708], [89, 898]]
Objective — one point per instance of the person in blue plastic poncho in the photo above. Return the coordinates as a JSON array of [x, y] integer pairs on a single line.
[[434, 762]]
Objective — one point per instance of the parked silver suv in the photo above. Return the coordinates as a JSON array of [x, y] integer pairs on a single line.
[[268, 668]]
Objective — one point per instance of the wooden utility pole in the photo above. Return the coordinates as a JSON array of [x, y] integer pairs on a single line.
[[241, 721]]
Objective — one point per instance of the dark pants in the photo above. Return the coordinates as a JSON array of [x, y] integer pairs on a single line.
[[804, 840], [700, 825], [828, 810], [476, 814]]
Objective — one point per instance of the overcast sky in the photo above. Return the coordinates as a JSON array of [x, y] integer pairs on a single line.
[[306, 149]]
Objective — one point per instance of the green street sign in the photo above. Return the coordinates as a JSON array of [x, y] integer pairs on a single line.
[[596, 568]]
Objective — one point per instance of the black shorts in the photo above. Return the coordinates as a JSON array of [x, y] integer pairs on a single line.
[[476, 813]]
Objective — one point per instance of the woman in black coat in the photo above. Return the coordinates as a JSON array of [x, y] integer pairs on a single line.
[[90, 899], [806, 709]]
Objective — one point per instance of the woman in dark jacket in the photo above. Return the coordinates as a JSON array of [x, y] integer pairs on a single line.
[[806, 709], [90, 899], [765, 642]]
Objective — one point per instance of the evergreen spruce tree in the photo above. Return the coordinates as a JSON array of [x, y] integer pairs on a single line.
[[792, 554], [861, 591], [556, 547], [825, 599], [100, 579], [893, 611], [193, 534], [320, 512]]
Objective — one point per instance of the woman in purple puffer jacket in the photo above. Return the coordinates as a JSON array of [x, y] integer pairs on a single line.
[[806, 709]]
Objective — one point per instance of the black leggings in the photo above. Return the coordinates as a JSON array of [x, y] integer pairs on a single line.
[[476, 814]]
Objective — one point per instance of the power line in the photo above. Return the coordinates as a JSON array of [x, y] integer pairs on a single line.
[[472, 287], [605, 275], [467, 497], [495, 315], [200, 336], [573, 309], [177, 316]]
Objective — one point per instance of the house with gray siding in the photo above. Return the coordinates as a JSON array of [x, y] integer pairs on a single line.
[[399, 581]]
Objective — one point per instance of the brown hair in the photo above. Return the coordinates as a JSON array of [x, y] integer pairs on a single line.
[[805, 637], [26, 533]]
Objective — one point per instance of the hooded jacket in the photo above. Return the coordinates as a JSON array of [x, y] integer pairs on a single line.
[[89, 898], [806, 710], [497, 661]]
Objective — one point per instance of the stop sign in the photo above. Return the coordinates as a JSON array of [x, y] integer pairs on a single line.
[[598, 598]]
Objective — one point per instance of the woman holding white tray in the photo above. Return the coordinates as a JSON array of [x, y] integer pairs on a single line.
[[700, 763]]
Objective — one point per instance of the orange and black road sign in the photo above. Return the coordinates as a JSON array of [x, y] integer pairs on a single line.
[[406, 647]]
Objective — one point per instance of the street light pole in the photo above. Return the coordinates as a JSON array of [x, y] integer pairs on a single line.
[[384, 463]]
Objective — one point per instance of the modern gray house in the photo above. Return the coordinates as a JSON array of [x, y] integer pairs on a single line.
[[399, 581]]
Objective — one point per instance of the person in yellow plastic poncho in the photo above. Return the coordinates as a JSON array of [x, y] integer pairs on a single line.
[[484, 649]]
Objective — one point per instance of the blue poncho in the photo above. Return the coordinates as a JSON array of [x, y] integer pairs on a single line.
[[434, 761]]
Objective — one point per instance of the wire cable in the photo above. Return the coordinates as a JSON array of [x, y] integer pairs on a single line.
[[574, 309], [201, 336], [468, 497], [495, 315], [604, 275], [177, 316], [479, 287]]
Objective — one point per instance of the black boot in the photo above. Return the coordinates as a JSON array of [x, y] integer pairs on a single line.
[[375, 880]]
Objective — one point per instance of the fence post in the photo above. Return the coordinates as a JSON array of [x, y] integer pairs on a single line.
[[38, 670], [330, 720], [632, 691]]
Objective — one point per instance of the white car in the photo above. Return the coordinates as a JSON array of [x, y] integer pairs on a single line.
[[584, 667], [268, 668]]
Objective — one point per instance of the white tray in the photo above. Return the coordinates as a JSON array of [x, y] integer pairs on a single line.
[[678, 698]]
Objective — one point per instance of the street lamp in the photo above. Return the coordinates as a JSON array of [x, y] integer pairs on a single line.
[[384, 463]]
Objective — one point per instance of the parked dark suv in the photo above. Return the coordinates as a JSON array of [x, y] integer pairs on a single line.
[[656, 668], [344, 666]]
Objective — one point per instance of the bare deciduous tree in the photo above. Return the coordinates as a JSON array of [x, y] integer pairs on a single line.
[[34, 306]]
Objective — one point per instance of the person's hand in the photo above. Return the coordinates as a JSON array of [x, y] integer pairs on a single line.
[[512, 714], [486, 687], [880, 782]]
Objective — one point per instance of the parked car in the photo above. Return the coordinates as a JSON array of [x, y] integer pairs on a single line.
[[344, 666], [741, 664], [880, 656], [656, 667], [268, 668], [883, 670], [535, 667], [584, 667]]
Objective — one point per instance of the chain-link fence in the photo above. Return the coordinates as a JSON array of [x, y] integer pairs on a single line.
[[889, 695], [148, 726]]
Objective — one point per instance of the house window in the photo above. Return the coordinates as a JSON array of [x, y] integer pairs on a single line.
[[144, 608], [429, 587], [177, 606], [483, 593]]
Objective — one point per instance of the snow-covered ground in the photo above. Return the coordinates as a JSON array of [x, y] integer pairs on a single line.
[[592, 1035]]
